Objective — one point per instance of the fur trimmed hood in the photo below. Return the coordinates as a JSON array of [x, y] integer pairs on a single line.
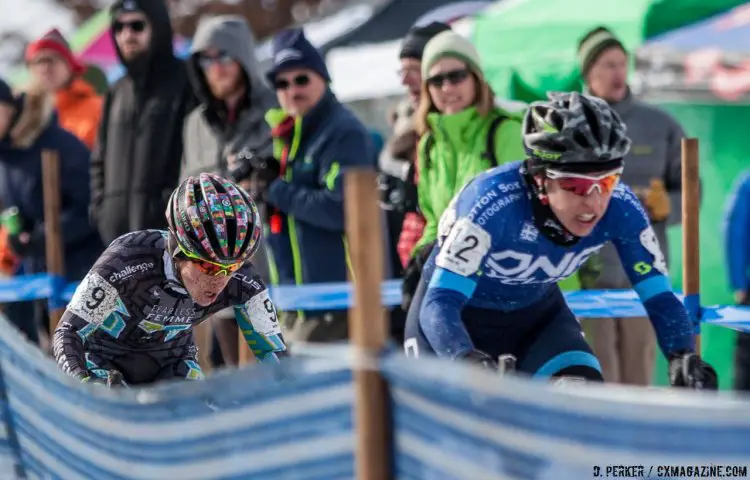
[[35, 113]]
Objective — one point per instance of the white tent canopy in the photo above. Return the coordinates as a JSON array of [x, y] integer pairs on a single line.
[[366, 72]]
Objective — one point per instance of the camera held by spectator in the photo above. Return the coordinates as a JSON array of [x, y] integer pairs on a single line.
[[248, 168]]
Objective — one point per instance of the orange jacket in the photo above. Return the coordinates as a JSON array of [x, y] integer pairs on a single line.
[[79, 109]]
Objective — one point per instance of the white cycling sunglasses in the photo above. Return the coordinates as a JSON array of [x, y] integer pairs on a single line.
[[582, 184]]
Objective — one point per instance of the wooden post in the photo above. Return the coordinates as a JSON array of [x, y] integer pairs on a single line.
[[52, 228], [691, 229], [368, 324]]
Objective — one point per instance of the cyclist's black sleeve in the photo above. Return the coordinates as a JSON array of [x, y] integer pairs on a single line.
[[94, 303]]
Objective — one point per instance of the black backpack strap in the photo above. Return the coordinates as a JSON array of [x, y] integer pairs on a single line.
[[489, 153], [427, 148]]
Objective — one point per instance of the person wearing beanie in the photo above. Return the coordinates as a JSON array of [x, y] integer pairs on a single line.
[[410, 57], [52, 64], [28, 126], [136, 162], [397, 163], [626, 347], [462, 134], [316, 140]]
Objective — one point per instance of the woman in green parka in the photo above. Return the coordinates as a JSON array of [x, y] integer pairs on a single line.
[[462, 131]]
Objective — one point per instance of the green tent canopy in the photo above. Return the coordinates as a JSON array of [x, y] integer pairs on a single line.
[[528, 47]]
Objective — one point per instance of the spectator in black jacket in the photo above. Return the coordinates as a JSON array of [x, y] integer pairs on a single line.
[[28, 126], [136, 162]]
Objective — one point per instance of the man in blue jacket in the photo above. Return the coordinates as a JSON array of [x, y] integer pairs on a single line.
[[737, 251], [316, 139], [28, 125]]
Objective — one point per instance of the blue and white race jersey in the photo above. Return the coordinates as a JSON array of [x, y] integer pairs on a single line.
[[492, 256]]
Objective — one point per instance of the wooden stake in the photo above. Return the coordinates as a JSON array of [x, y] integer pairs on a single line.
[[691, 229], [368, 324], [52, 229]]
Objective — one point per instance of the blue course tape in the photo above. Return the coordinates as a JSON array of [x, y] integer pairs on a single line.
[[339, 296], [55, 300], [693, 305]]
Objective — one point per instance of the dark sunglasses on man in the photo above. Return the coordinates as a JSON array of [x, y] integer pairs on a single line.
[[300, 81], [136, 26], [454, 77]]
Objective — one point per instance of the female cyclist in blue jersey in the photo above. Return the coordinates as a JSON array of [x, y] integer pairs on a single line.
[[513, 232]]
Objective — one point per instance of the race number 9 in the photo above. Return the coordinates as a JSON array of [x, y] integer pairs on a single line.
[[463, 250], [97, 297]]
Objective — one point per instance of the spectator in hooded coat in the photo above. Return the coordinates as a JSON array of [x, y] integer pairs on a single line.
[[136, 162], [227, 127]]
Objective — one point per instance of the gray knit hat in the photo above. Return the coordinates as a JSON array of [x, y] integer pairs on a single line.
[[450, 44]]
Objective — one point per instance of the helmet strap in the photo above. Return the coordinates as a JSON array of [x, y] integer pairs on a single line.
[[545, 219], [172, 246], [174, 251]]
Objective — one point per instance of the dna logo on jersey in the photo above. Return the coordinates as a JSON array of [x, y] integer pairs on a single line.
[[519, 268]]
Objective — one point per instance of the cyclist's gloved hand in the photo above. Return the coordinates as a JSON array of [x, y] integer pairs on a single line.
[[114, 379], [94, 380], [687, 369], [413, 274], [480, 358]]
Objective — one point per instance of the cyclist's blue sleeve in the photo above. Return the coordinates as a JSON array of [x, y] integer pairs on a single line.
[[737, 234], [646, 267], [458, 263]]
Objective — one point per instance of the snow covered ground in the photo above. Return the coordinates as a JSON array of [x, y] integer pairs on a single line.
[[23, 21]]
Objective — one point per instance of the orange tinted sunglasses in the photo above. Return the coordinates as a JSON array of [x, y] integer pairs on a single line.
[[211, 268]]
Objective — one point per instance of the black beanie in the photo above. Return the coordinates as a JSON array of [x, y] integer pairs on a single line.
[[416, 39], [593, 44]]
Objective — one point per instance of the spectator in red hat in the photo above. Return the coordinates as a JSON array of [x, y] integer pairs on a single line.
[[55, 68]]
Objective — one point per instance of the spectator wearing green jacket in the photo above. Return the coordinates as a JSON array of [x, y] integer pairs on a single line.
[[463, 133]]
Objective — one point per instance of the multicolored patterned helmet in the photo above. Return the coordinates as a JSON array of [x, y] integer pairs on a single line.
[[214, 219]]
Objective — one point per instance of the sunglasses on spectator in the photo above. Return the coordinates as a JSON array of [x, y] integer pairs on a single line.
[[210, 268], [584, 185], [300, 81], [454, 77], [222, 58], [136, 26]]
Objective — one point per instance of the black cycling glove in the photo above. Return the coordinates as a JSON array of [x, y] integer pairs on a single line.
[[413, 274], [114, 379], [687, 369], [480, 358]]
